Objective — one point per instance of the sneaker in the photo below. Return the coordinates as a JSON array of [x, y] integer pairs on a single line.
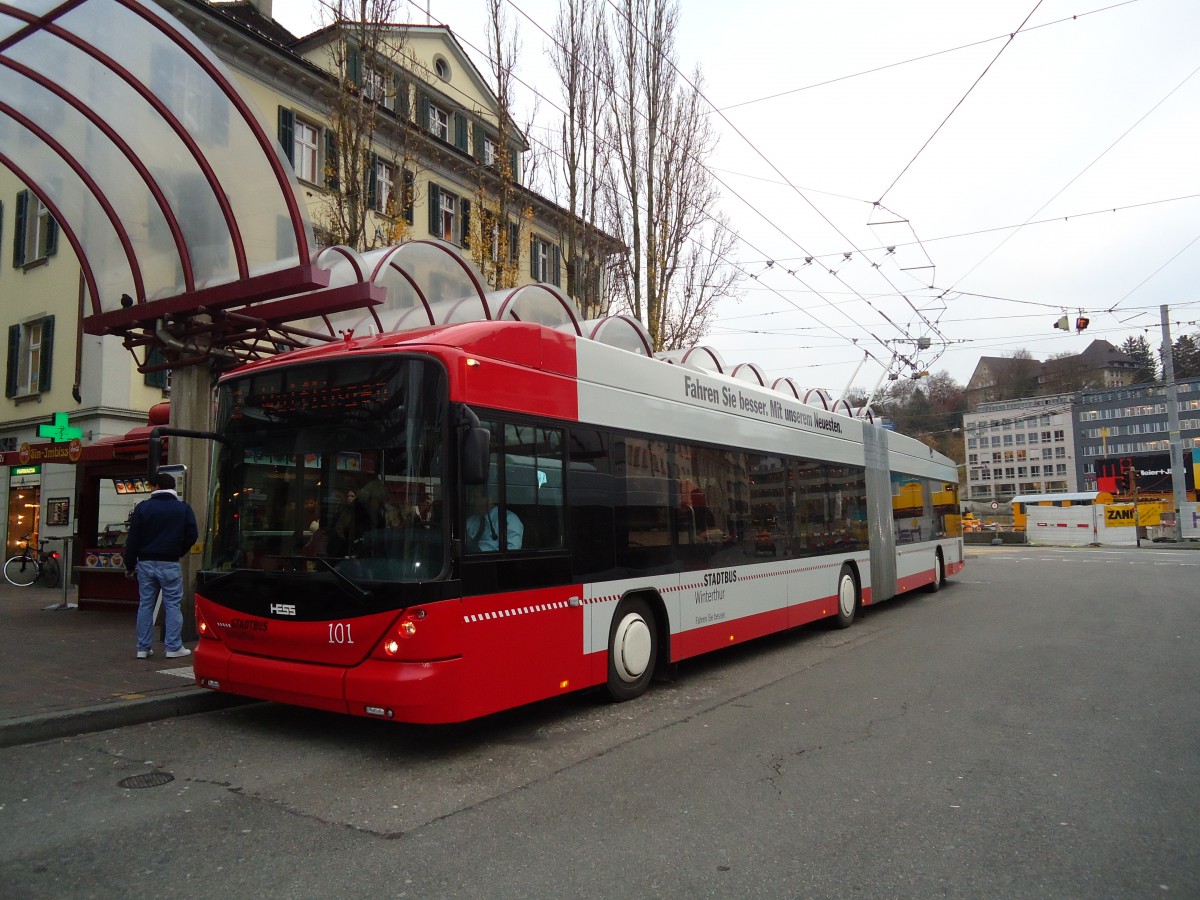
[[145, 654], [175, 654]]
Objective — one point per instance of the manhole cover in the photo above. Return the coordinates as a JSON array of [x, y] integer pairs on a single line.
[[146, 780]]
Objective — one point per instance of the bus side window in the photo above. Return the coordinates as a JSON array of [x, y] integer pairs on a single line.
[[644, 536], [592, 492], [533, 476]]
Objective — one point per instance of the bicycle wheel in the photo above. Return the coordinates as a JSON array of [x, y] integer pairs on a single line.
[[21, 571], [51, 572]]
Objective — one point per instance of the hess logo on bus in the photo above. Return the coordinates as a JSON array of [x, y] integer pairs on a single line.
[[283, 609]]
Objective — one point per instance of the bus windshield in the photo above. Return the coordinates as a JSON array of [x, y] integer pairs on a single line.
[[332, 466]]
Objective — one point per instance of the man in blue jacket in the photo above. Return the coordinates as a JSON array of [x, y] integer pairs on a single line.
[[162, 530]]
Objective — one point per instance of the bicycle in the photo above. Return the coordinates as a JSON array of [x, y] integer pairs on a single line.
[[33, 565]]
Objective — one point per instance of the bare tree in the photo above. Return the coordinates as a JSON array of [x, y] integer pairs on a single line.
[[706, 277], [664, 136], [502, 213], [368, 193], [583, 64]]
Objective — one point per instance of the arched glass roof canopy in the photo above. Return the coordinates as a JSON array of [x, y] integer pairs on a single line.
[[423, 283], [157, 170], [542, 303], [699, 357]]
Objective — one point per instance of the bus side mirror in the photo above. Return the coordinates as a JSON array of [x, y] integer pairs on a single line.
[[475, 444]]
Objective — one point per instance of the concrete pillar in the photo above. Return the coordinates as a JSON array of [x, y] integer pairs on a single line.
[[192, 408]]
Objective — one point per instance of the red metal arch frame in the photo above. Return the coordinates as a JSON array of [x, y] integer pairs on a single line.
[[89, 276], [450, 250], [252, 123], [137, 322], [82, 174], [46, 23], [185, 256]]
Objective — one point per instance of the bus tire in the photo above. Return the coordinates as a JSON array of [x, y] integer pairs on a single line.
[[847, 598], [939, 573], [632, 649]]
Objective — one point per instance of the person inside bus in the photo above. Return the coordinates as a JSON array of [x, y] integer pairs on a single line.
[[422, 513], [483, 527], [362, 511]]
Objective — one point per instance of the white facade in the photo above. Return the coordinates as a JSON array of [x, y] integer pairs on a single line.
[[1018, 447]]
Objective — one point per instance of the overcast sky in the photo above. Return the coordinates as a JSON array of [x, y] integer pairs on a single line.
[[1020, 179]]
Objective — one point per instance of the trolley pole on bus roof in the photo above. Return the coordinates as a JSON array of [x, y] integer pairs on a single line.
[[1178, 486]]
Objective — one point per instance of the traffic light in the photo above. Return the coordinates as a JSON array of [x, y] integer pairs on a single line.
[[1064, 323], [1082, 322]]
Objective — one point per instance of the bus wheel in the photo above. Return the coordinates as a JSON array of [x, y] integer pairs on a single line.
[[939, 573], [847, 598], [632, 650]]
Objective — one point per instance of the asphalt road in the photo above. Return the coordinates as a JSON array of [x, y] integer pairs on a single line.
[[1030, 731]]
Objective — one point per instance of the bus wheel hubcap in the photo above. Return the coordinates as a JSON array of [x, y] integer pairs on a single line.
[[846, 596], [631, 647]]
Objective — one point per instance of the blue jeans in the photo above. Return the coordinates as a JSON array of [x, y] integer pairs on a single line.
[[153, 576]]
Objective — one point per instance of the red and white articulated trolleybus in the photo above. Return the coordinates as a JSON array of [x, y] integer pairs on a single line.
[[433, 525]]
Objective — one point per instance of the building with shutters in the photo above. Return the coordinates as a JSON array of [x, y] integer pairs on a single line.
[[435, 153]]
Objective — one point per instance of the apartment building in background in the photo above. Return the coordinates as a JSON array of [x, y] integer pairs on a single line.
[[1018, 447], [1063, 443], [1001, 378]]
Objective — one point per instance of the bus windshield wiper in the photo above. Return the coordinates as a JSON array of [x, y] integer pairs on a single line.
[[353, 587], [214, 580]]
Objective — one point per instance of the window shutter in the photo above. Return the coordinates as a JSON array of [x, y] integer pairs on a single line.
[[332, 179], [287, 134], [478, 142], [158, 378], [14, 355], [464, 214], [408, 197], [514, 155], [533, 263], [19, 231], [400, 105], [435, 210], [353, 64], [460, 131], [423, 108], [372, 180], [47, 354], [555, 266], [514, 243], [50, 237]]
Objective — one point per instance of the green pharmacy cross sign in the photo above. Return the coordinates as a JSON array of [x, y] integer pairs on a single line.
[[60, 432]]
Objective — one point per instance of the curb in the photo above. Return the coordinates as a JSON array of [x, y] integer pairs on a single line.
[[113, 714]]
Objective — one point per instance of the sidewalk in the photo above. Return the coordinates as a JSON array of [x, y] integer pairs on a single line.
[[70, 671]]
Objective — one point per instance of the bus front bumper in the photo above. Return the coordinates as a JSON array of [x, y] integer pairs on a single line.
[[416, 692]]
